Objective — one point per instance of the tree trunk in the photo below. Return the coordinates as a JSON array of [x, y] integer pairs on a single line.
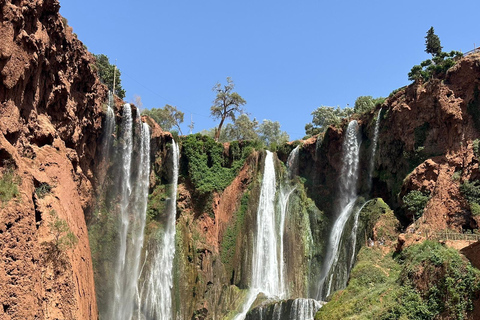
[[217, 134]]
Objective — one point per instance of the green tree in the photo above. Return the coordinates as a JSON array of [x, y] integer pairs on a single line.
[[271, 134], [415, 202], [366, 103], [167, 117], [107, 72], [226, 104], [324, 116], [242, 129], [432, 43]]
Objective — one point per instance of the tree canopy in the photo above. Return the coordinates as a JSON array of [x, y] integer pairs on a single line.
[[227, 104], [366, 103], [324, 116], [432, 43], [269, 132], [168, 117], [106, 72]]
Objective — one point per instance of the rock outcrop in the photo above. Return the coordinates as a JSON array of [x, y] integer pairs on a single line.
[[50, 122]]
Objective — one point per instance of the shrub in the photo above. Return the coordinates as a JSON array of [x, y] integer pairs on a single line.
[[415, 202], [471, 192], [9, 186], [63, 240], [208, 168], [475, 145], [42, 190]]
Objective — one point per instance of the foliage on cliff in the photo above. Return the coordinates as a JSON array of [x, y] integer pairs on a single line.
[[209, 165], [423, 282]]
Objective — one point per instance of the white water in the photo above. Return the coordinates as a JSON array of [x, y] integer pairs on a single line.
[[354, 234], [292, 162], [374, 150], [159, 281], [132, 205], [109, 130], [267, 258], [348, 197], [304, 309], [266, 262]]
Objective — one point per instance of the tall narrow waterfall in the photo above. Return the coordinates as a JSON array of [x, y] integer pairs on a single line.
[[267, 258], [347, 199], [159, 279], [374, 150], [133, 204], [109, 129]]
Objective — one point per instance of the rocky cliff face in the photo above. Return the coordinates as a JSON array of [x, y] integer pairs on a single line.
[[50, 121]]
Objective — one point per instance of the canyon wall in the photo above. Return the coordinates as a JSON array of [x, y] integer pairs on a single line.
[[50, 122]]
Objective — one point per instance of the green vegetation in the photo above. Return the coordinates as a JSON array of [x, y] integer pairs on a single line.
[[471, 192], [63, 239], [207, 167], [226, 104], [432, 43], [42, 190], [366, 103], [372, 212], [229, 240], [325, 116], [9, 186], [167, 117], [436, 67], [107, 73], [241, 129], [424, 281], [415, 202], [157, 203], [476, 149], [270, 134]]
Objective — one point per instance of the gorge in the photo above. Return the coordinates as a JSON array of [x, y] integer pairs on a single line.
[[104, 215]]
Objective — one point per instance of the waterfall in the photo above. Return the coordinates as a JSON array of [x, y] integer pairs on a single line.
[[304, 309], [266, 262], [354, 234], [292, 162], [347, 199], [267, 258], [159, 280], [374, 150], [132, 205], [109, 130], [297, 309]]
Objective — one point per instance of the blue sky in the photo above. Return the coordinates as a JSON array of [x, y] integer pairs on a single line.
[[286, 57]]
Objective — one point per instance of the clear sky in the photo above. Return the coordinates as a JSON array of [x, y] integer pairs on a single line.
[[286, 57]]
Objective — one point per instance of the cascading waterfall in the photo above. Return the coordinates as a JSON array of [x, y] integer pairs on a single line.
[[109, 129], [304, 309], [347, 199], [133, 204], [286, 191], [266, 260], [159, 280], [374, 150], [369, 179]]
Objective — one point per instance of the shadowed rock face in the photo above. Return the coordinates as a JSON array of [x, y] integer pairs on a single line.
[[50, 121]]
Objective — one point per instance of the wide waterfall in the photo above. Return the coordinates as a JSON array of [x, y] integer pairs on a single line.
[[332, 275], [132, 211], [157, 303]]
